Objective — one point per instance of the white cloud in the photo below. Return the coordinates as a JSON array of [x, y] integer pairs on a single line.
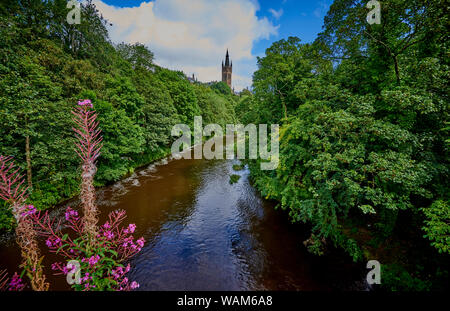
[[276, 14], [193, 35]]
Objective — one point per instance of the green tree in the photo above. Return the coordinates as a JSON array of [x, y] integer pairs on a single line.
[[221, 88], [137, 54], [182, 94], [122, 139]]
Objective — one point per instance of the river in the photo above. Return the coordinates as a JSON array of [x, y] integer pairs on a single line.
[[203, 233]]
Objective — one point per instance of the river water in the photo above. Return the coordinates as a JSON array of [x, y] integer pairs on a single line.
[[203, 233]]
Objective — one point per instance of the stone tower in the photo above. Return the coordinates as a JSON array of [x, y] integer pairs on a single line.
[[227, 70]]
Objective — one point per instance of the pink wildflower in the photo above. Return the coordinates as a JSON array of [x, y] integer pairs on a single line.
[[16, 283], [71, 214], [109, 235], [94, 259], [131, 228], [28, 210], [134, 285], [85, 102], [140, 242]]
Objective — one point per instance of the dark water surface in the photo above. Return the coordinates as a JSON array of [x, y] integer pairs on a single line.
[[204, 234]]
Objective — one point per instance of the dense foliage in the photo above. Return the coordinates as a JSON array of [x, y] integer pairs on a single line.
[[47, 64], [364, 140]]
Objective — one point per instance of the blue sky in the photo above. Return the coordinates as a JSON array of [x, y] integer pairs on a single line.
[[192, 35], [300, 18]]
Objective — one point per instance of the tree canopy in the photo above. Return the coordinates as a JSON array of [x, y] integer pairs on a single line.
[[363, 152]]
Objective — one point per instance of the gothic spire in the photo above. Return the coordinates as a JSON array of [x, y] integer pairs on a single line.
[[227, 59]]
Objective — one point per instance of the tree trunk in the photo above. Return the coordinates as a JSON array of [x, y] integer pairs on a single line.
[[397, 72], [28, 157]]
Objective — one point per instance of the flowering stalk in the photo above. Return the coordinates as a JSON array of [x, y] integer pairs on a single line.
[[88, 149], [100, 251], [14, 192]]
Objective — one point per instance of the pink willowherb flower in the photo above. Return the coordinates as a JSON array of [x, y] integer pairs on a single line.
[[140, 242], [131, 228], [27, 210], [134, 285], [16, 283], [71, 214], [109, 235], [85, 102], [93, 260]]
